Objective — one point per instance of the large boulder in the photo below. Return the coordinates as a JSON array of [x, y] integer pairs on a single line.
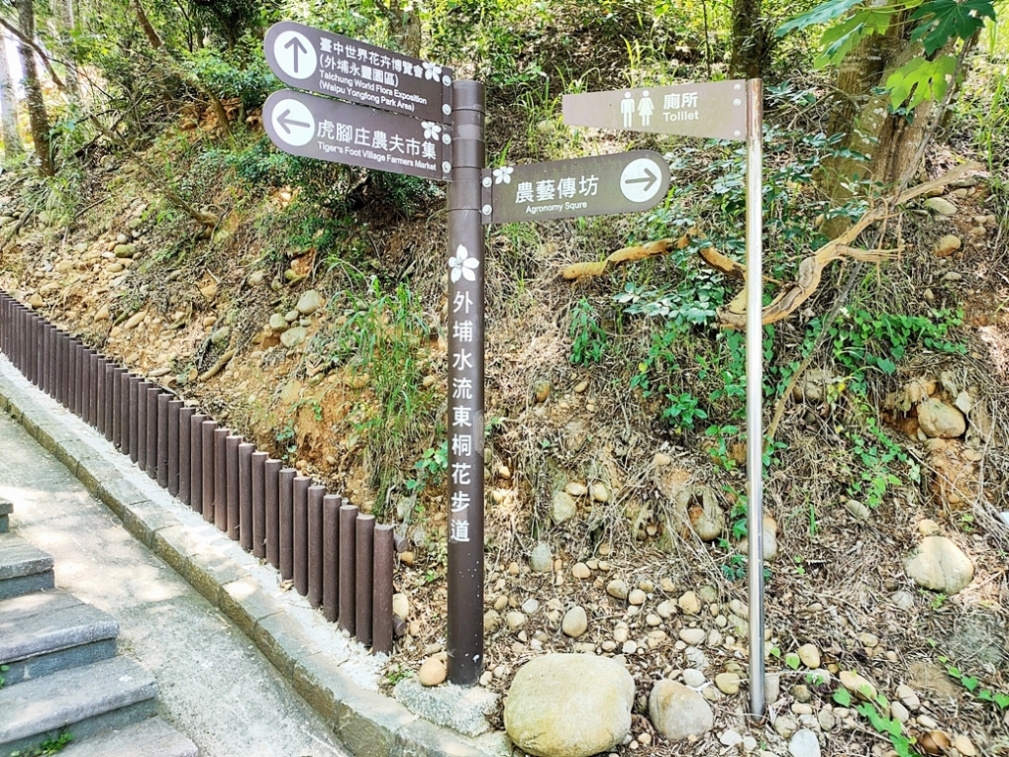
[[569, 705], [677, 711], [940, 565]]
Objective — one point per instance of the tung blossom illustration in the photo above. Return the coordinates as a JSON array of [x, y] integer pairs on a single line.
[[503, 175], [432, 71], [462, 265], [431, 129]]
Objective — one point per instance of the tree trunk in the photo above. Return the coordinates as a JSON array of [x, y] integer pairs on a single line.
[[8, 107], [64, 14], [37, 116], [751, 40], [890, 142]]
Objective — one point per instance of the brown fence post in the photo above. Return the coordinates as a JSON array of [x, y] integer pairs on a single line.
[[381, 609], [232, 484], [285, 518], [272, 500], [163, 434], [315, 536], [364, 556], [258, 479], [174, 416], [185, 454], [133, 417], [153, 392], [348, 568], [196, 457], [301, 485], [330, 556], [245, 495], [221, 478], [208, 435]]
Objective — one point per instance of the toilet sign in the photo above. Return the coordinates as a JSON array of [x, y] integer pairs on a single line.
[[716, 110], [626, 182]]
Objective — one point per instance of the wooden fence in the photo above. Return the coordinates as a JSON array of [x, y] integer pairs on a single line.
[[336, 556]]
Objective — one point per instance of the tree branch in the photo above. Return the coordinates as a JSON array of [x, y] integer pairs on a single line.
[[41, 53]]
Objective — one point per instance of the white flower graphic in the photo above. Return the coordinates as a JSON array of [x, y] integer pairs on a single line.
[[503, 175], [463, 265], [432, 71], [431, 129]]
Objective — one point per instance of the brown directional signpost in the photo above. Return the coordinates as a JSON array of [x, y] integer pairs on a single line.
[[720, 110], [374, 108]]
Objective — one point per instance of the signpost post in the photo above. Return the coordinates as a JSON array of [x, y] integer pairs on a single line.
[[719, 110], [404, 115]]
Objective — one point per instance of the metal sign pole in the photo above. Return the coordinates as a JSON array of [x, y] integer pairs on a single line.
[[466, 386], [754, 387]]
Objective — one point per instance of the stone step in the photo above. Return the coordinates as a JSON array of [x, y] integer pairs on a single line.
[[6, 508], [43, 632], [23, 567], [83, 700], [149, 738]]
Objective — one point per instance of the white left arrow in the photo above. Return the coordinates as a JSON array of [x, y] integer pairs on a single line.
[[293, 122]]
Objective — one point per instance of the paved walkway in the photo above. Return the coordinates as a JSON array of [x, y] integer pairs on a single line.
[[216, 687]]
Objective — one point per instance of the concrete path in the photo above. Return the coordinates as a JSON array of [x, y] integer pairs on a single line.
[[216, 687]]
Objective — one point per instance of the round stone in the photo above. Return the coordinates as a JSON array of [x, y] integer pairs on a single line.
[[678, 712], [575, 622]]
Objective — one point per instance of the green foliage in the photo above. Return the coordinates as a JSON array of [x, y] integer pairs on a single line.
[[249, 80], [943, 20], [48, 747], [861, 340], [875, 710], [430, 468], [973, 685], [588, 340], [3, 669], [919, 80]]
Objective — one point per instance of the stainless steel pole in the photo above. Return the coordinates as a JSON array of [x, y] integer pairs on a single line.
[[754, 387]]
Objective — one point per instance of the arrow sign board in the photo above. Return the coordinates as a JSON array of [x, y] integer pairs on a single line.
[[308, 58], [716, 110], [316, 127], [600, 185]]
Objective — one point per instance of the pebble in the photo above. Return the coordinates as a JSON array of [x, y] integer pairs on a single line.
[[581, 570], [692, 636], [652, 620], [902, 600], [666, 609], [541, 559], [293, 337], [801, 693], [401, 605], [749, 743], [278, 322], [800, 709], [661, 459], [727, 683], [515, 620], [636, 597], [309, 302], [694, 678], [926, 722], [809, 655], [826, 720], [599, 492], [715, 638], [900, 712], [730, 738], [621, 633], [432, 672], [617, 589], [785, 726], [857, 685], [575, 622], [630, 647], [530, 606], [964, 746], [689, 603], [908, 697], [576, 489], [804, 744]]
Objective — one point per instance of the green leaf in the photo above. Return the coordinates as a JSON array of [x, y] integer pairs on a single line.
[[840, 39], [920, 79], [792, 660], [954, 672], [1002, 700], [822, 14], [985, 695], [969, 682], [942, 20], [842, 697]]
